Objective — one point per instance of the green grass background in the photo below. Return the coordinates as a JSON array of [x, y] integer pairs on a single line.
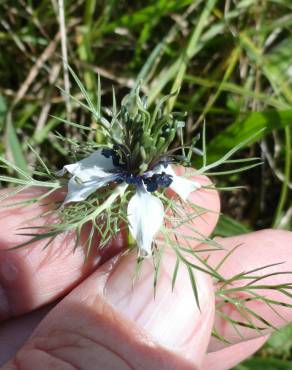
[[231, 60]]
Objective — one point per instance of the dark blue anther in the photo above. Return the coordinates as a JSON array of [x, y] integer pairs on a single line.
[[164, 180], [133, 180], [106, 152], [113, 153], [157, 180], [116, 159], [151, 185]]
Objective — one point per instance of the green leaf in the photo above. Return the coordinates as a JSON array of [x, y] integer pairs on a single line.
[[3, 109], [191, 48], [281, 341], [265, 363], [227, 226], [14, 146], [145, 14], [243, 129]]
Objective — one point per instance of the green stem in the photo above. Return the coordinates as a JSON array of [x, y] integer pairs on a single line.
[[287, 173]]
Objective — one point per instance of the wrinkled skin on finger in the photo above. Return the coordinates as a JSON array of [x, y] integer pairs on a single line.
[[111, 322], [15, 331]]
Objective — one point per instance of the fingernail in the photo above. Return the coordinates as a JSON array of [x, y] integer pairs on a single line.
[[171, 316]]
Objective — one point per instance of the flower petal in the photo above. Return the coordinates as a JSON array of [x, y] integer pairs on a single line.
[[78, 191], [183, 187], [145, 215], [94, 166]]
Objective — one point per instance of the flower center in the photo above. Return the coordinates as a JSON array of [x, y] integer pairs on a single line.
[[162, 180], [152, 183]]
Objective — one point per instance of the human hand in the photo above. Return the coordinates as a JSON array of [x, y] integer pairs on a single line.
[[106, 321]]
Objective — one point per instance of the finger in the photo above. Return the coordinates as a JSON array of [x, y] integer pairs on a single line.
[[231, 356], [201, 212], [15, 332], [33, 276], [254, 251], [112, 322]]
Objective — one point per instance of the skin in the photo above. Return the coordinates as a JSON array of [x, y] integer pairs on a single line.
[[60, 313]]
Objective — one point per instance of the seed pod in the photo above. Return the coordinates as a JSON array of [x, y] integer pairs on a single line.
[[143, 167], [143, 153], [160, 144]]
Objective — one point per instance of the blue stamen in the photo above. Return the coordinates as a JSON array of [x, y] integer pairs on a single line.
[[133, 180], [164, 180], [106, 152], [157, 180], [116, 158], [152, 183]]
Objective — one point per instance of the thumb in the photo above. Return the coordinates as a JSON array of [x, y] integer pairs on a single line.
[[112, 322]]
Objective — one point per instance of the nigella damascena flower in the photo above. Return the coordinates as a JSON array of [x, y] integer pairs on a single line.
[[145, 211]]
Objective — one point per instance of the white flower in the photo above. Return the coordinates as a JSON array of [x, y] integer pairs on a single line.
[[145, 211]]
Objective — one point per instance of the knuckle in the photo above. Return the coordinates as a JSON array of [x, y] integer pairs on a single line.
[[67, 350], [33, 358]]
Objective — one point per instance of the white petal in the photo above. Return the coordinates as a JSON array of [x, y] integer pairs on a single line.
[[96, 165], [80, 191], [145, 215], [183, 187]]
